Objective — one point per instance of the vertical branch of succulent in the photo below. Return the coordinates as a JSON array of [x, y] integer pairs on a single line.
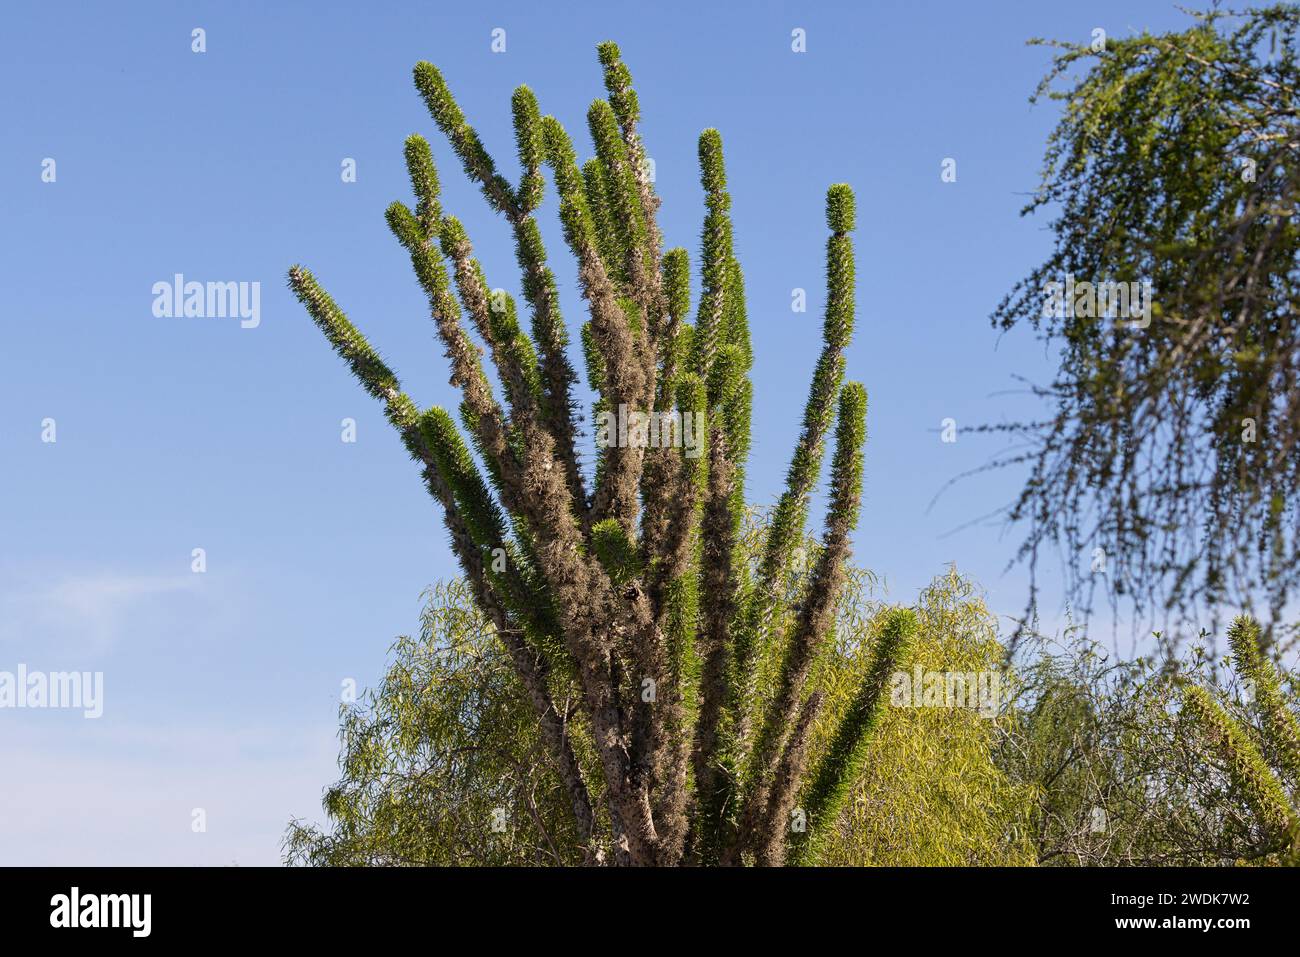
[[1247, 769], [1280, 728], [842, 762]]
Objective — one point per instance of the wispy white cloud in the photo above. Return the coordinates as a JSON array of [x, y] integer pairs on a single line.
[[122, 789], [83, 613], [126, 796]]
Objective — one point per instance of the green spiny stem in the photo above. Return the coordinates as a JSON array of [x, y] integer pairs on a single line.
[[731, 396], [1281, 731], [681, 601], [618, 83], [552, 341], [773, 843], [623, 100], [464, 140], [815, 618], [666, 488], [507, 569], [467, 372], [371, 371], [494, 319], [671, 520], [791, 511], [624, 214], [531, 150], [616, 550], [628, 218], [539, 284], [842, 762], [424, 183], [724, 365], [719, 587], [542, 296], [478, 509], [575, 215], [626, 382], [516, 346], [1246, 767], [674, 587], [612, 251], [677, 292], [594, 361], [735, 321], [715, 254]]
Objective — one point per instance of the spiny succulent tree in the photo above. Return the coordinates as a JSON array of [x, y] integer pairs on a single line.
[[1262, 762], [628, 612]]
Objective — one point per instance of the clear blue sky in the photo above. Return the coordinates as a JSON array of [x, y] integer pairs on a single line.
[[221, 689]]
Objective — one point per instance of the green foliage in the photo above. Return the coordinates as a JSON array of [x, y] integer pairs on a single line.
[[932, 792], [444, 749], [447, 739], [1084, 760], [1173, 440], [616, 550], [1160, 760]]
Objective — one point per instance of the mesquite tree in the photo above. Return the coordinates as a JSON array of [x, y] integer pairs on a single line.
[[1171, 445], [630, 615]]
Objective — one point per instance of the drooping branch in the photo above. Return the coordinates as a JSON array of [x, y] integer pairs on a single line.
[[1170, 434]]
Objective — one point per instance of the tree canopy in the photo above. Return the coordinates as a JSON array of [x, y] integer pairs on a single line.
[[1172, 448]]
